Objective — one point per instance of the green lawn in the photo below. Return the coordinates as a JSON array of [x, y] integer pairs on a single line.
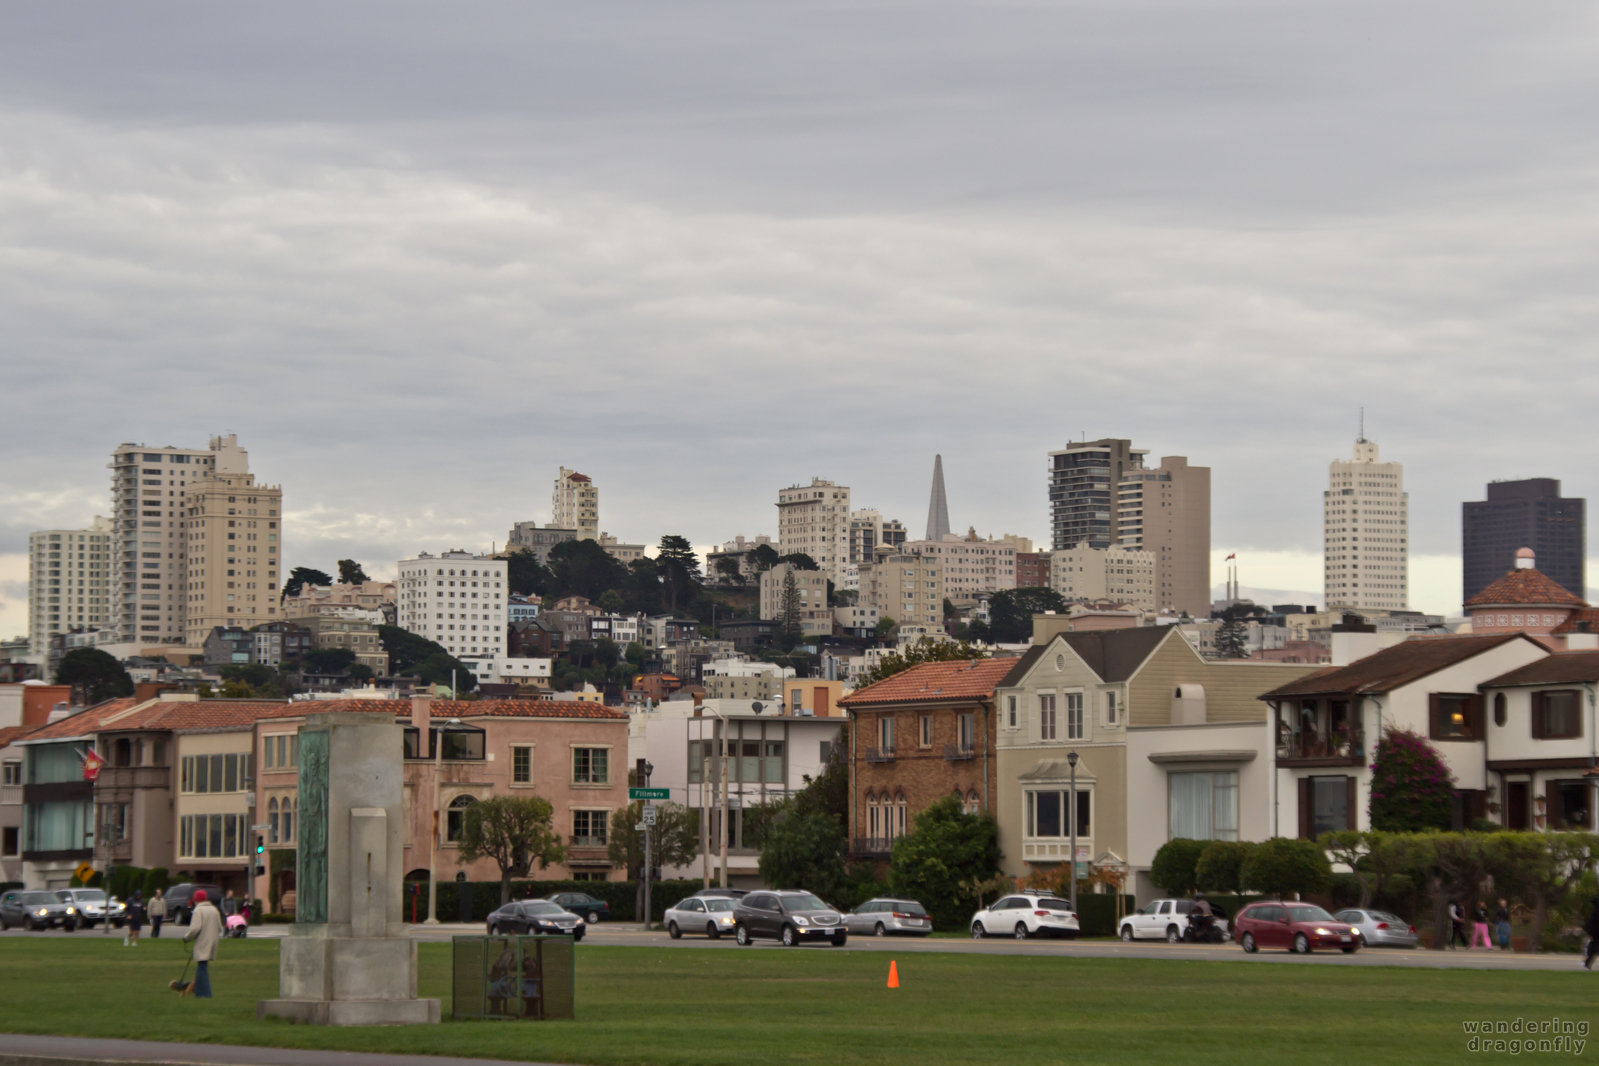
[[819, 1005]]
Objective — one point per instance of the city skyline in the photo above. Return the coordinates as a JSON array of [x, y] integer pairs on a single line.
[[698, 272]]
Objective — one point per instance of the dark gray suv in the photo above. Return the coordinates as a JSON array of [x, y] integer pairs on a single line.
[[789, 917]]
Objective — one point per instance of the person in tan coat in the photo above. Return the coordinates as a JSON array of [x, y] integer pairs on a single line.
[[205, 929]]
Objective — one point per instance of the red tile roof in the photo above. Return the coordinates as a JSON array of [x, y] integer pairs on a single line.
[[1561, 668], [1393, 667], [84, 722], [14, 732], [465, 708], [1526, 588], [1574, 620], [964, 679]]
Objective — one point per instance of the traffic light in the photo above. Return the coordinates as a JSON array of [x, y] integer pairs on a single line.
[[260, 845]]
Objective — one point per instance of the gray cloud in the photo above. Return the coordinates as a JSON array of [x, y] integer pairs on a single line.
[[704, 251]]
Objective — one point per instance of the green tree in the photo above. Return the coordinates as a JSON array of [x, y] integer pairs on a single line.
[[611, 601], [1010, 613], [1221, 865], [329, 660], [803, 847], [1353, 849], [885, 626], [940, 860], [420, 657], [303, 575], [1543, 868], [583, 568], [673, 842], [1232, 638], [679, 568], [1175, 866], [800, 561], [1412, 789], [351, 573], [730, 569], [359, 672], [788, 611], [514, 831], [1283, 866], [93, 675], [525, 575], [763, 557], [925, 650]]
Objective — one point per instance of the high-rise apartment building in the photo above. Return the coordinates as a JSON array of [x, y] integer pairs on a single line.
[[868, 530], [1523, 514], [1166, 511], [1366, 532], [814, 519], [456, 599], [1101, 494], [69, 583], [575, 504], [233, 543], [149, 565], [1084, 482]]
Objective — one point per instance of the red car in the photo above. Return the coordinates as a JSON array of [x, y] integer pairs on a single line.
[[1297, 927]]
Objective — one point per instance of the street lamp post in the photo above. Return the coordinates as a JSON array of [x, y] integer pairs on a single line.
[[438, 822], [1071, 761]]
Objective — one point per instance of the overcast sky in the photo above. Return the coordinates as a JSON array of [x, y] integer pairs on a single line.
[[418, 256]]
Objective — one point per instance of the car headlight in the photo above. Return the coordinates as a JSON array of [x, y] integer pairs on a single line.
[[42, 912], [71, 911], [800, 920], [726, 919], [1323, 932]]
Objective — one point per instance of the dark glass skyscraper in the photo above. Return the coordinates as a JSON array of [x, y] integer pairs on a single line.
[[1523, 514]]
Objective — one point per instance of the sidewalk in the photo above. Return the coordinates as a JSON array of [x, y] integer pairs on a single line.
[[16, 1050]]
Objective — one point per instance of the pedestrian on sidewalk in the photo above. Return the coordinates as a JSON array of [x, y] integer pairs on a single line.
[[1502, 924], [1479, 929], [205, 929], [1457, 926], [135, 920], [157, 910]]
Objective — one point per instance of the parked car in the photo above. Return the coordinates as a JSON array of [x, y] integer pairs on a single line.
[[711, 915], [722, 893], [91, 904], [885, 916], [1026, 915], [1165, 919], [789, 917], [180, 900], [581, 903], [1297, 927], [536, 916], [36, 910], [1380, 929]]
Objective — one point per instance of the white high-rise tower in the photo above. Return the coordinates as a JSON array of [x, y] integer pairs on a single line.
[[1366, 530]]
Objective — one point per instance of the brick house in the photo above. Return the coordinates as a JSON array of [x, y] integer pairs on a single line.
[[916, 737]]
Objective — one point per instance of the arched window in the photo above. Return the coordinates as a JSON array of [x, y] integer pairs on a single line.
[[455, 819], [899, 815], [874, 818], [973, 803], [272, 820], [286, 815]]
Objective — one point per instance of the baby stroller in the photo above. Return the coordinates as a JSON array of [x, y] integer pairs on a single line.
[[237, 926]]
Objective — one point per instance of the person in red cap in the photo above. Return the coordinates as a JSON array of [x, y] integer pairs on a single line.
[[205, 929]]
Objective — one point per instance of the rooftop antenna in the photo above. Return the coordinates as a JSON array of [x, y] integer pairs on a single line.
[[1362, 437]]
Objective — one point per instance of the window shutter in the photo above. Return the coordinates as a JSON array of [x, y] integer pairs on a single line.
[[1552, 810], [1477, 715], [1432, 715], [1353, 794], [1539, 702], [1306, 815]]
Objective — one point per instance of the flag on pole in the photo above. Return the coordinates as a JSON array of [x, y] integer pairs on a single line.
[[1232, 556], [91, 766]]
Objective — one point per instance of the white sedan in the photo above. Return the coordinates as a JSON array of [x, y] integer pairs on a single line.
[[1024, 916], [711, 915]]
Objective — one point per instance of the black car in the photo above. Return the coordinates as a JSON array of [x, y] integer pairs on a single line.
[[583, 904], [36, 910], [530, 916], [789, 917], [180, 900]]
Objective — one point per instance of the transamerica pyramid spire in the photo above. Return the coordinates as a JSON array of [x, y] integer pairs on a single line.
[[937, 505]]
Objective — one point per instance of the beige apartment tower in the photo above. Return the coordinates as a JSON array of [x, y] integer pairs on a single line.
[[575, 504], [1366, 531], [814, 519], [149, 571], [233, 534], [69, 583], [907, 588], [1165, 511]]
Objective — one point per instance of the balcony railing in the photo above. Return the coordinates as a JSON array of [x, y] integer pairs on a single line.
[[1322, 747], [959, 752], [879, 754], [872, 847]]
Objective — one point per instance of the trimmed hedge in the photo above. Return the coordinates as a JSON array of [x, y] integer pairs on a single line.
[[1096, 914]]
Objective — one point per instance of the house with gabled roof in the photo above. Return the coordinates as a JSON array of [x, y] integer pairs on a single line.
[[1541, 751], [1113, 698], [1324, 727]]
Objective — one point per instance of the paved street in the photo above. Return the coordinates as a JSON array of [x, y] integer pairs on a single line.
[[628, 934]]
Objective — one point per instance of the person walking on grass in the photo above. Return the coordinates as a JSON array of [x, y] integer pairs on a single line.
[[1591, 927], [1457, 926], [205, 929], [135, 920], [157, 910]]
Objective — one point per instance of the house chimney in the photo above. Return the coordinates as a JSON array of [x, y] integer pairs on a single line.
[[1525, 559], [422, 720]]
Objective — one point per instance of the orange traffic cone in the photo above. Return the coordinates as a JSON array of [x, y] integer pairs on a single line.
[[893, 974]]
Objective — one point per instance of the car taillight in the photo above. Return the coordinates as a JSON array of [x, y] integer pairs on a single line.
[[897, 914], [1412, 930], [1041, 914], [1382, 925]]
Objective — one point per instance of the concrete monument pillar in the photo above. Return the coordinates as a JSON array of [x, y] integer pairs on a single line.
[[349, 958]]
